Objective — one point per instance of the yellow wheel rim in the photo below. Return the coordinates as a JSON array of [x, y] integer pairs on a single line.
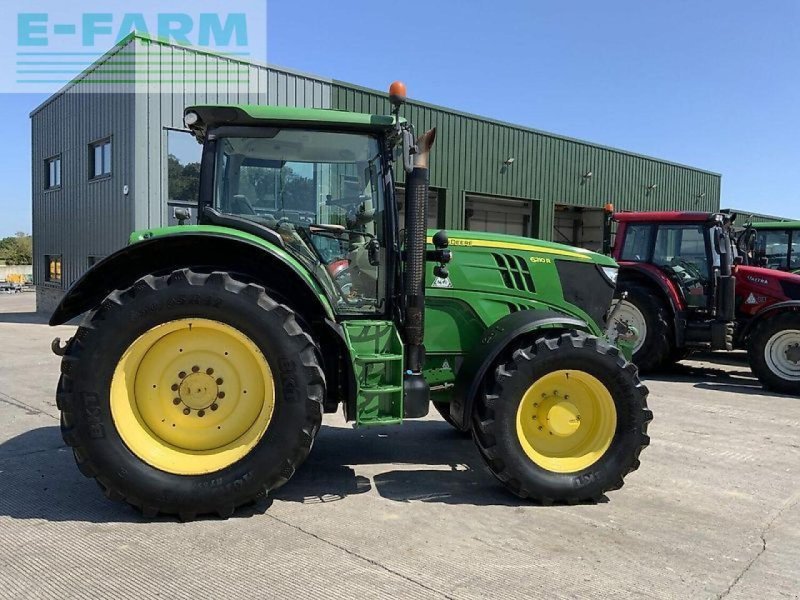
[[566, 421], [192, 396]]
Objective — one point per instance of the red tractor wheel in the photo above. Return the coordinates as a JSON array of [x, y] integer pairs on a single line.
[[647, 312], [774, 353]]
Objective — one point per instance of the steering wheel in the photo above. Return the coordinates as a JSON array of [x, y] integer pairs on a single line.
[[692, 268]]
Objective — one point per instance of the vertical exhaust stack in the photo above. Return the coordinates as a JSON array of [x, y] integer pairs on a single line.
[[417, 391], [416, 155], [416, 226]]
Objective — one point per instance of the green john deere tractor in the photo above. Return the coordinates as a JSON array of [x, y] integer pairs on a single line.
[[198, 378], [771, 244]]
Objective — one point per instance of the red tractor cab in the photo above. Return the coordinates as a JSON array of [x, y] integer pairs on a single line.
[[683, 287]]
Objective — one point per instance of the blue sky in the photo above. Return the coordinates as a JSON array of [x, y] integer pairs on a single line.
[[711, 84]]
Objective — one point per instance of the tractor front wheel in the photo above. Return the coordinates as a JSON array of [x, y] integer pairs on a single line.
[[190, 394], [774, 353], [564, 420]]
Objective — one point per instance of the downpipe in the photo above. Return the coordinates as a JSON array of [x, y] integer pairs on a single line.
[[416, 389]]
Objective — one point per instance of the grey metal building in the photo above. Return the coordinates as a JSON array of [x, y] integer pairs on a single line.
[[110, 155]]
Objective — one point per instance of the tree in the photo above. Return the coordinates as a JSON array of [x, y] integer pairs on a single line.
[[17, 250], [183, 180]]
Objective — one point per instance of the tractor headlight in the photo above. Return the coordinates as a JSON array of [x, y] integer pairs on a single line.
[[610, 273], [191, 118]]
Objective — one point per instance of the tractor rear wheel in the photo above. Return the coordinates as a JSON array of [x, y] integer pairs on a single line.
[[650, 315], [774, 353], [564, 420], [190, 394]]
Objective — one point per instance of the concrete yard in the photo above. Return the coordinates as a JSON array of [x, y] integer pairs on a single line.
[[713, 512]]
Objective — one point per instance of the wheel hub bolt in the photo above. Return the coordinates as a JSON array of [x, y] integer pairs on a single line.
[[175, 387], [186, 411], [209, 371], [219, 381], [176, 401], [221, 395], [201, 413], [195, 369], [214, 406], [182, 374]]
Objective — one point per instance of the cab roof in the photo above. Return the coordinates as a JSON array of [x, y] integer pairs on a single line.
[[258, 115], [665, 216], [777, 225]]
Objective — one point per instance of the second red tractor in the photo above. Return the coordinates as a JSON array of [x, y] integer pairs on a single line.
[[683, 287]]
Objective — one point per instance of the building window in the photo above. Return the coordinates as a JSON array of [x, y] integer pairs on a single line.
[[52, 173], [52, 268], [100, 159]]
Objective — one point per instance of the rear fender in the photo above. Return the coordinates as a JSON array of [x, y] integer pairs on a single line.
[[205, 251], [497, 338], [653, 275]]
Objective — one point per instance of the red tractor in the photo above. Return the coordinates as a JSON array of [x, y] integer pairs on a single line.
[[683, 287]]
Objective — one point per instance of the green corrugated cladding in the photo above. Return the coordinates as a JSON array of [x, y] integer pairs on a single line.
[[470, 151]]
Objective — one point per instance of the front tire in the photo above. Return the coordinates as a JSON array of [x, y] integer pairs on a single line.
[[774, 353], [190, 394], [564, 420]]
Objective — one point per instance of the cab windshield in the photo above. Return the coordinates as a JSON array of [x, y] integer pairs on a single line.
[[322, 192]]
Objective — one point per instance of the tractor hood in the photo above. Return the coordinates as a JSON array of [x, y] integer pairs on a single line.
[[536, 247], [507, 272], [759, 285]]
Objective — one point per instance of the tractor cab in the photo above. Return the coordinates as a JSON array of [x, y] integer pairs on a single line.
[[689, 256], [321, 195], [771, 245]]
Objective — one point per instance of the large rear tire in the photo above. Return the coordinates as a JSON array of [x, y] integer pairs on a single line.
[[564, 420], [190, 394], [651, 316], [774, 353]]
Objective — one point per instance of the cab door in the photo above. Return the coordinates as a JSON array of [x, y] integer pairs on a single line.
[[685, 253]]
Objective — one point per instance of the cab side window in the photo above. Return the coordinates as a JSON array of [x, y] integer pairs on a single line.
[[638, 242], [682, 246]]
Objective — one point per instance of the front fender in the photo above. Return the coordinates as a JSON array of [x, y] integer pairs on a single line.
[[765, 312], [204, 248], [494, 341]]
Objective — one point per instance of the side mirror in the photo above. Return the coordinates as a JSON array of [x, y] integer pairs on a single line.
[[182, 214], [719, 244], [409, 150], [374, 252]]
